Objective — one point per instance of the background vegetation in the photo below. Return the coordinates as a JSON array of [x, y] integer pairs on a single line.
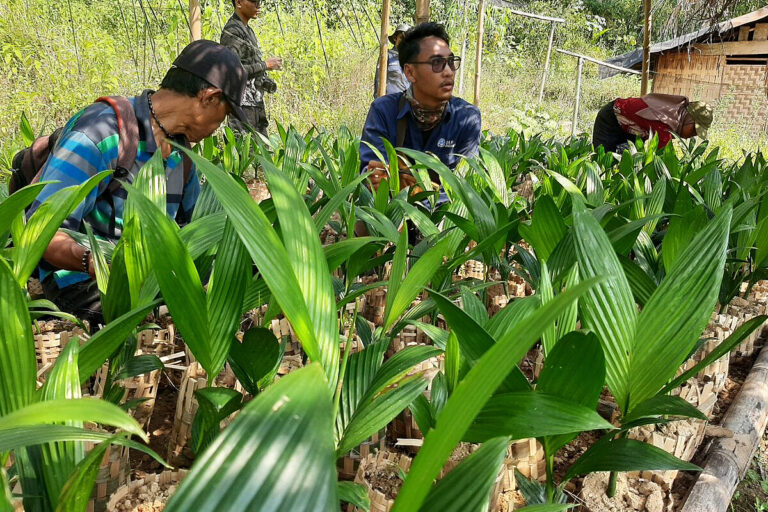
[[56, 57]]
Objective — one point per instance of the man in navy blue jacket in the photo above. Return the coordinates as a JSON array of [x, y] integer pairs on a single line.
[[427, 115]]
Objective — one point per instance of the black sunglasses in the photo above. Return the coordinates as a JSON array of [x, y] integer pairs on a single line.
[[438, 63]]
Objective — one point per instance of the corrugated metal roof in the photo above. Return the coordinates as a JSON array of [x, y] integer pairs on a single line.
[[635, 58]]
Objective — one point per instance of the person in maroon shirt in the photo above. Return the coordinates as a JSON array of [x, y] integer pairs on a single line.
[[621, 121]]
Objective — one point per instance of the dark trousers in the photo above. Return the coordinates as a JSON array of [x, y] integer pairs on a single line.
[[608, 132], [257, 118], [80, 299]]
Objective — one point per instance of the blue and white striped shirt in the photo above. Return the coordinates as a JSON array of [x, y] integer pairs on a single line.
[[87, 146]]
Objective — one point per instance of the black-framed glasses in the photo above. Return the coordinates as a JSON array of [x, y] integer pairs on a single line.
[[438, 63]]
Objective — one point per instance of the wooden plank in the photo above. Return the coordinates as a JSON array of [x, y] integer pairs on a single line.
[[733, 48], [761, 32], [744, 33]]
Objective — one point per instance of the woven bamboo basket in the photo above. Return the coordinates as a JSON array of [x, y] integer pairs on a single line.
[[403, 430], [499, 295], [114, 472], [289, 364], [48, 346], [283, 331], [160, 342], [719, 328], [743, 310], [375, 303], [385, 462], [328, 235], [527, 456], [472, 269], [194, 378], [166, 478], [410, 335], [141, 387], [680, 438], [35, 289], [347, 466]]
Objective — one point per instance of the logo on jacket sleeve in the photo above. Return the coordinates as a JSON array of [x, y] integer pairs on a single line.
[[442, 143]]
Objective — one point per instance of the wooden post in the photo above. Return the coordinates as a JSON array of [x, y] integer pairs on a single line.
[[195, 26], [546, 62], [646, 47], [479, 54], [422, 11], [383, 46], [578, 98]]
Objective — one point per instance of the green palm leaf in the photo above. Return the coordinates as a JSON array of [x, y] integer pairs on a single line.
[[608, 308], [679, 310], [471, 394], [276, 455]]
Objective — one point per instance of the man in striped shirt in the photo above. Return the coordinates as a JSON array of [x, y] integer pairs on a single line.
[[205, 83]]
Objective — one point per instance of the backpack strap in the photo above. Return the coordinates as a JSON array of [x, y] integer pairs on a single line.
[[127, 147], [402, 124], [128, 138]]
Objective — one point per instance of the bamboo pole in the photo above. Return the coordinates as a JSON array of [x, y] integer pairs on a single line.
[[728, 458], [578, 98], [646, 46], [463, 48], [383, 48], [422, 11], [479, 54], [195, 23], [546, 62], [320, 32], [279, 21]]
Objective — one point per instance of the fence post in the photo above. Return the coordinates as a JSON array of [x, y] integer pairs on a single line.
[[383, 48], [546, 62], [195, 27], [578, 98], [479, 55], [646, 47]]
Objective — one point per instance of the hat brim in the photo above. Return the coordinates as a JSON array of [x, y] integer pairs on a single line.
[[701, 131], [237, 111], [392, 37]]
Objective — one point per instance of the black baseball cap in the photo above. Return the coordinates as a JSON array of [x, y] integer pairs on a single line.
[[219, 66]]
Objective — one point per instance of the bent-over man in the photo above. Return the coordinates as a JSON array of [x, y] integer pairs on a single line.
[[396, 80], [621, 121], [205, 83]]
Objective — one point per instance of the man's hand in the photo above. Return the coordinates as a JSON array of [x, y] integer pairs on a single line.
[[407, 179], [274, 64], [379, 173], [63, 252]]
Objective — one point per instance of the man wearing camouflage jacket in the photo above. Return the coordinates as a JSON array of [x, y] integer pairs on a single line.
[[239, 37]]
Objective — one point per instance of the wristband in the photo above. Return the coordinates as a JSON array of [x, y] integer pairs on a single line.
[[84, 262]]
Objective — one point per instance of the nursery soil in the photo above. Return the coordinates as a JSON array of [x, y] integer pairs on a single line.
[[257, 187], [160, 427], [150, 497], [385, 479]]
